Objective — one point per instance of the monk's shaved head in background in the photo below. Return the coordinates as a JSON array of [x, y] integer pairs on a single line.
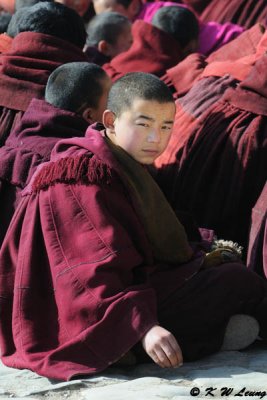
[[75, 86], [137, 85], [51, 19], [106, 26], [110, 32], [179, 22]]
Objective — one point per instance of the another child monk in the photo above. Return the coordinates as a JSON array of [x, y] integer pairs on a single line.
[[47, 35], [95, 263], [75, 97], [108, 34]]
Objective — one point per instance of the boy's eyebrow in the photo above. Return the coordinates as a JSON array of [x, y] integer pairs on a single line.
[[152, 119]]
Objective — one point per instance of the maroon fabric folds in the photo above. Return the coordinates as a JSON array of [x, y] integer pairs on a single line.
[[191, 111], [152, 51], [220, 169], [29, 145], [235, 58], [242, 12], [24, 70], [257, 247]]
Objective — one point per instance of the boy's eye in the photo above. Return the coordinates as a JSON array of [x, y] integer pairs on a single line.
[[142, 124], [166, 127]]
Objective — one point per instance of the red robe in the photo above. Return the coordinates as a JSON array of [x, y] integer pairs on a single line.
[[78, 283], [152, 51], [27, 146], [24, 71], [212, 173], [235, 58], [242, 12]]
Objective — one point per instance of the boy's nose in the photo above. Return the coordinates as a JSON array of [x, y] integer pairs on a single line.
[[154, 136]]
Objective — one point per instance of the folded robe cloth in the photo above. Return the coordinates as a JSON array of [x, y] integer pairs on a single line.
[[152, 51], [28, 146], [242, 12], [235, 58], [213, 176], [24, 71]]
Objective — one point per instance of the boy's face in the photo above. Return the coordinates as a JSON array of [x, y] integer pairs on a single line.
[[143, 130]]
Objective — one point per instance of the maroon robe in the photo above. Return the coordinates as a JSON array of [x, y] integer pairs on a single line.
[[152, 51], [27, 146], [219, 169], [78, 283], [242, 12], [24, 71], [235, 58]]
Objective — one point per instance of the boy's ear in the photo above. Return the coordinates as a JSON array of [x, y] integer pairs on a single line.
[[103, 47], [108, 120], [88, 115]]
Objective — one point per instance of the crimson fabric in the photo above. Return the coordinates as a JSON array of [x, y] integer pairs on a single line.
[[182, 76], [191, 111], [28, 145], [64, 302], [235, 58], [257, 248], [213, 173], [152, 51], [242, 12], [24, 71], [5, 42]]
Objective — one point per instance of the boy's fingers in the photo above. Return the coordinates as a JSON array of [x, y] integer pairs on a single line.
[[171, 355], [162, 357], [156, 359], [176, 349]]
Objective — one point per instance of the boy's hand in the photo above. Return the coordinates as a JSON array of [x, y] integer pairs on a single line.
[[162, 347]]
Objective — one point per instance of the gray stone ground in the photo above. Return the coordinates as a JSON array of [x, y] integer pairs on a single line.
[[243, 374]]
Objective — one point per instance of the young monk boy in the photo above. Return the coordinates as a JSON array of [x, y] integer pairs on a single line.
[[108, 34], [75, 97], [95, 262]]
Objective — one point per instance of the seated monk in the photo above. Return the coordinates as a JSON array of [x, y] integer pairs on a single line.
[[211, 35], [235, 58], [101, 265], [155, 48], [211, 174], [12, 28], [75, 96], [50, 35], [108, 34]]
